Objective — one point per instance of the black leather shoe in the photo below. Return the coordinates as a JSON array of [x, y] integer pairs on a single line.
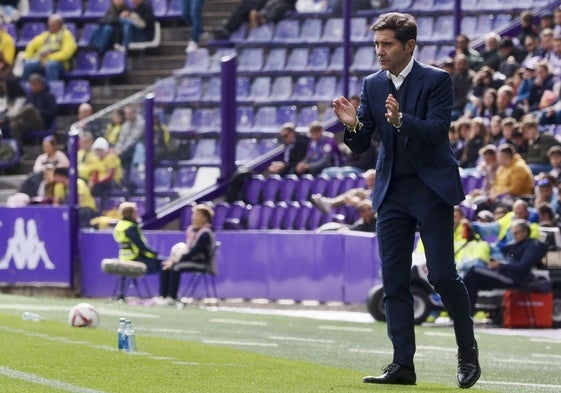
[[394, 374], [468, 367]]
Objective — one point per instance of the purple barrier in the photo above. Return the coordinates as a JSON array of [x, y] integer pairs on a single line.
[[34, 246], [260, 264]]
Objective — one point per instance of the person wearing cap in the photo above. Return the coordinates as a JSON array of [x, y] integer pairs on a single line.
[[546, 191], [88, 209], [539, 144], [544, 81], [554, 156], [108, 173]]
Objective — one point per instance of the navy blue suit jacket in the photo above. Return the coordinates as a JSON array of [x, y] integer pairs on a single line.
[[426, 122]]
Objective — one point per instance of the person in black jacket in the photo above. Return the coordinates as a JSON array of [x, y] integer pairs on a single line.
[[295, 151], [520, 257], [109, 30], [137, 24]]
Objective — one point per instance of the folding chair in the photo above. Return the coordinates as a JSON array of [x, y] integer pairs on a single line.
[[207, 274]]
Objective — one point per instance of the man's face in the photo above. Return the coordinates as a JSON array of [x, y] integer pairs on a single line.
[[392, 55], [545, 192], [518, 233], [287, 136], [555, 160], [504, 159], [316, 133], [520, 211]]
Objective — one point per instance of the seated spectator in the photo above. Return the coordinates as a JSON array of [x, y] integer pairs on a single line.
[[87, 210], [39, 111], [477, 138], [199, 243], [94, 126], [505, 103], [271, 12], [554, 156], [51, 155], [161, 143], [487, 167], [490, 54], [7, 51], [37, 188], [456, 143], [50, 52], [321, 152], [108, 173], [367, 220], [539, 144], [546, 192], [114, 127], [351, 197], [513, 271], [12, 104], [296, 146], [508, 126], [546, 217], [463, 78], [510, 57], [132, 131], [543, 81], [109, 32], [9, 10], [474, 58], [88, 161], [137, 24]]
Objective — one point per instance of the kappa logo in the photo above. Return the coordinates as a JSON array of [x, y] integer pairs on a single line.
[[26, 249]]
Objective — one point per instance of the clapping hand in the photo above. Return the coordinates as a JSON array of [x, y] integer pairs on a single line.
[[345, 111]]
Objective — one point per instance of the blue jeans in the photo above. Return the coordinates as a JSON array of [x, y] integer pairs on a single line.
[[101, 37], [131, 33], [191, 14], [52, 70]]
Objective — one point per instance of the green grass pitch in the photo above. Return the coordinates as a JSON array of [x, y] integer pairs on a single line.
[[229, 349]]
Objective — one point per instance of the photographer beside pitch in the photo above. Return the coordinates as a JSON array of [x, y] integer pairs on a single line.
[[417, 184]]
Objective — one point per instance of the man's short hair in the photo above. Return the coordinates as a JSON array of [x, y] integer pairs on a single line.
[[522, 224], [205, 210], [488, 149], [507, 148], [126, 209], [404, 25]]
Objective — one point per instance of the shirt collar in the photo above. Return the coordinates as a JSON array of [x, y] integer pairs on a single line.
[[403, 74]]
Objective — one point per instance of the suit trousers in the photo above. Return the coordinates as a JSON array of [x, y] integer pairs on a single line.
[[409, 204]]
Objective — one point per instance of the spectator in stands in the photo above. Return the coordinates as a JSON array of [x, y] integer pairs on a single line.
[[495, 130], [491, 56], [94, 126], [107, 175], [456, 143], [296, 146], [533, 49], [87, 210], [133, 246], [9, 11], [473, 57], [367, 220], [521, 257], [13, 103], [350, 197], [508, 126], [87, 160], [527, 26], [50, 52], [271, 12], [547, 21], [462, 81], [114, 127], [546, 43], [510, 57], [132, 132], [321, 152], [545, 191], [161, 143], [514, 178], [487, 106], [7, 49], [487, 167], [39, 111], [554, 56], [539, 144], [546, 216], [554, 156], [237, 18], [51, 155], [505, 103], [137, 24], [557, 21], [478, 137], [483, 80], [543, 81], [108, 31], [191, 11], [199, 243]]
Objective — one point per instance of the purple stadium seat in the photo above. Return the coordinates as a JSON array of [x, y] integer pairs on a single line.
[[281, 89], [263, 33], [196, 61], [95, 9], [185, 177], [246, 150], [311, 30], [259, 216], [136, 180], [260, 89], [267, 144], [160, 8], [350, 181], [254, 217], [113, 202], [14, 161], [303, 189], [271, 188], [180, 121], [57, 89], [326, 87], [444, 5], [287, 114], [501, 20], [220, 212], [266, 120], [334, 186], [12, 30], [304, 88], [301, 222], [336, 61], [427, 53], [287, 189], [71, 26], [174, 9], [298, 59], [423, 5], [215, 61], [363, 60], [243, 87], [253, 189], [212, 91], [244, 118], [163, 179], [164, 91], [251, 59], [113, 63], [445, 51], [205, 153], [29, 30], [484, 24], [185, 217], [237, 215], [189, 90], [39, 9], [444, 28], [291, 215], [85, 64], [333, 30], [315, 219], [426, 28], [320, 185], [69, 9], [206, 120], [319, 58], [307, 115], [85, 34], [287, 30], [77, 92], [277, 217], [276, 60]]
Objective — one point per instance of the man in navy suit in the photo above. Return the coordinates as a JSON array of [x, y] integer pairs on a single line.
[[417, 185]]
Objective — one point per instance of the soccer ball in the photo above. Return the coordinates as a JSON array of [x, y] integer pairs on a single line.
[[83, 315], [177, 250]]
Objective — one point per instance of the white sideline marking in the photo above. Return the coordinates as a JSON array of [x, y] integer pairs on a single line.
[[438, 334], [433, 348], [302, 339], [345, 328], [102, 310], [247, 343], [238, 322], [166, 330], [545, 355], [526, 361], [375, 351], [339, 316], [545, 340], [533, 385], [51, 383]]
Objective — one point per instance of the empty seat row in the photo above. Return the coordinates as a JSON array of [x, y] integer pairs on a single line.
[[87, 64], [75, 92]]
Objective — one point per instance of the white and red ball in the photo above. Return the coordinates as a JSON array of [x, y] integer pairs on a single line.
[[83, 315], [178, 250]]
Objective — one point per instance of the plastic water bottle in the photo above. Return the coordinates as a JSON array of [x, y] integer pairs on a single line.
[[121, 335], [130, 337], [31, 316]]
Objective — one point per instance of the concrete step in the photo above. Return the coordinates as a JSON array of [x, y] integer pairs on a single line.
[[162, 62]]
